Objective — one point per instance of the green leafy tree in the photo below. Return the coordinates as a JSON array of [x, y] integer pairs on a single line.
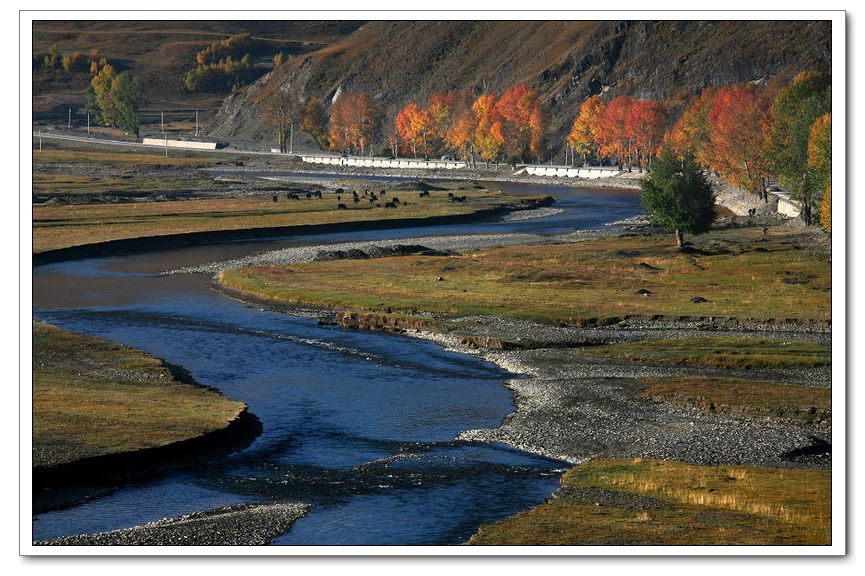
[[677, 195], [794, 111], [127, 96]]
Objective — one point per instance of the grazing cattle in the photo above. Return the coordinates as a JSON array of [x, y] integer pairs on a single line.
[[339, 190], [292, 196], [356, 199], [382, 193], [317, 194], [395, 200], [275, 198], [422, 194], [373, 197], [371, 201], [450, 194], [342, 207], [389, 205], [366, 192], [378, 205]]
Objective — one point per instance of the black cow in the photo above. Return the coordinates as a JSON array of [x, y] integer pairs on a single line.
[[395, 200], [342, 207], [389, 205], [275, 198]]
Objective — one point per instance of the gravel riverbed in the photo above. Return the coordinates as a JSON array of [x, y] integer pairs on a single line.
[[240, 525]]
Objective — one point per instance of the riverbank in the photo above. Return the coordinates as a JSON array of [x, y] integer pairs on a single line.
[[580, 408], [239, 525], [105, 414]]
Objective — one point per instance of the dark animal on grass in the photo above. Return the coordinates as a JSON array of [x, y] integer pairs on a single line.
[[382, 193], [317, 194], [292, 196], [338, 198], [422, 194], [339, 190], [450, 194], [275, 198], [356, 199], [342, 207], [389, 205], [395, 200]]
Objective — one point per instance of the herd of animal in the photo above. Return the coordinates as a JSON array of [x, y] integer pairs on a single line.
[[368, 196]]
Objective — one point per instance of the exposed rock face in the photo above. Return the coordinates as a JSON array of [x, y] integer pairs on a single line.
[[398, 62]]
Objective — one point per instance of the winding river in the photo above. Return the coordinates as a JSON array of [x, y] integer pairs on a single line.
[[359, 424]]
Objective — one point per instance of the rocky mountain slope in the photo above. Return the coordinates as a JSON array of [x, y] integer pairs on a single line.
[[566, 62]]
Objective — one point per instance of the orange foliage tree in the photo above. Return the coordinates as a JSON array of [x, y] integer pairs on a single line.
[[415, 127], [522, 122], [691, 131], [352, 123], [460, 135], [614, 137], [584, 132], [647, 120], [489, 134], [738, 120]]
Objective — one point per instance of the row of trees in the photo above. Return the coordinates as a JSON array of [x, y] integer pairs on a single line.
[[627, 131], [72, 62], [225, 64], [509, 126], [746, 133], [115, 99]]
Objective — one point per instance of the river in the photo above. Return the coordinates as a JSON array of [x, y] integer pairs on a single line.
[[359, 424]]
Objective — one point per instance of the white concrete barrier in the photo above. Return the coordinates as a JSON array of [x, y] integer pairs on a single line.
[[377, 162], [179, 144], [571, 171], [787, 206]]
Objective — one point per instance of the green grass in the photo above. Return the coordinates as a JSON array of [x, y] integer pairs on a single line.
[[735, 395], [566, 283], [690, 505], [93, 397], [59, 226], [717, 352]]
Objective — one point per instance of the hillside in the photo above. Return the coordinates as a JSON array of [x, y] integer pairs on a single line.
[[398, 62], [160, 53]]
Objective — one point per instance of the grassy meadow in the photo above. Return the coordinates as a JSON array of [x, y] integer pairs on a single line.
[[753, 277], [674, 504], [92, 397]]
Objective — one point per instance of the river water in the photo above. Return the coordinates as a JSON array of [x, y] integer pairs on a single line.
[[359, 424]]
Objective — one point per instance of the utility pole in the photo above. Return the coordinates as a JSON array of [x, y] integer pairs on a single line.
[[40, 141], [69, 122], [291, 138], [196, 123], [162, 116], [88, 122]]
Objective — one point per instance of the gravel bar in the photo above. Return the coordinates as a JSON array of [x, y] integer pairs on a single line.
[[239, 525]]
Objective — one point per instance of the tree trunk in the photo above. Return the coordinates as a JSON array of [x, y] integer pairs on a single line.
[[680, 238]]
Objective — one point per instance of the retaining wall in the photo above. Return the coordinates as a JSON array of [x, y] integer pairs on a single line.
[[180, 144], [383, 162], [571, 171], [786, 206]]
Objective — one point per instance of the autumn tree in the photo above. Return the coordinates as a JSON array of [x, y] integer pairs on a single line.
[[583, 137], [794, 111], [738, 119], [646, 122], [352, 123], [820, 163], [489, 136], [614, 137], [460, 135], [314, 122], [415, 126], [522, 122], [99, 96], [691, 132], [677, 195]]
